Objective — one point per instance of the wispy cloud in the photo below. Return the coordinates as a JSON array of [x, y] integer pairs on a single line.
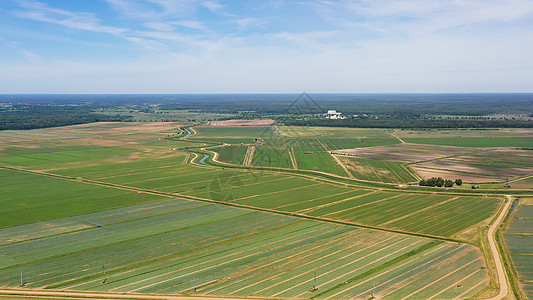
[[189, 24], [246, 23], [38, 11], [161, 9], [212, 5], [28, 55]]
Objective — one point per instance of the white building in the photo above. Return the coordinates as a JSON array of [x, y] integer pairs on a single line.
[[334, 115]]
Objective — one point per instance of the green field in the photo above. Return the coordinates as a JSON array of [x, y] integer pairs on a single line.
[[28, 198], [519, 240], [309, 146], [233, 154], [186, 247], [425, 213], [378, 170]]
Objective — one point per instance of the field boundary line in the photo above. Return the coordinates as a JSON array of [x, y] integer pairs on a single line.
[[350, 175], [293, 158], [520, 178]]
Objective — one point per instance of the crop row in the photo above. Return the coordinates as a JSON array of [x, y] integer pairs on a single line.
[[444, 269]]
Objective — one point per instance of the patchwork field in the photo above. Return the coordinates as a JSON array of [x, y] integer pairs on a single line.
[[519, 240], [185, 247], [292, 147], [425, 213]]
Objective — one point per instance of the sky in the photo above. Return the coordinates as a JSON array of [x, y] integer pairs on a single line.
[[267, 46]]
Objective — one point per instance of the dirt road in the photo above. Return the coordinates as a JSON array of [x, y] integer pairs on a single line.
[[48, 294], [500, 269]]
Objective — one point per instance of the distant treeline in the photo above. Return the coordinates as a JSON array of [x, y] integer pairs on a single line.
[[405, 123], [32, 116], [380, 110], [348, 104]]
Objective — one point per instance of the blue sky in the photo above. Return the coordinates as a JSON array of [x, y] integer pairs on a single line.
[[270, 46]]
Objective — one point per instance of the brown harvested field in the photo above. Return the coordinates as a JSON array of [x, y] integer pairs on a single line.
[[406, 153], [102, 131], [526, 131], [497, 165], [103, 142], [242, 123], [428, 173], [147, 128]]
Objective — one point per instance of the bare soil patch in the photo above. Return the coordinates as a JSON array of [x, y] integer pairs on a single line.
[[428, 173], [242, 123], [527, 131], [103, 142], [147, 128]]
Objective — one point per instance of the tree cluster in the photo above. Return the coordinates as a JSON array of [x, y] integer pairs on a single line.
[[439, 182]]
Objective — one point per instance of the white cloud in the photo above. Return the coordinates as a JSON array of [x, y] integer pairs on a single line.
[[212, 5]]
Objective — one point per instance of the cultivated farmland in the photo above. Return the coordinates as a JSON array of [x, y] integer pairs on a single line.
[[120, 207], [376, 170], [519, 240], [185, 247]]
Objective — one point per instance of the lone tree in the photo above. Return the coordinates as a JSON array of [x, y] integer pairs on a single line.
[[459, 182]]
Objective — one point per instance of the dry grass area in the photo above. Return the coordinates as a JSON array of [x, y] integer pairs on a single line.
[[242, 123]]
